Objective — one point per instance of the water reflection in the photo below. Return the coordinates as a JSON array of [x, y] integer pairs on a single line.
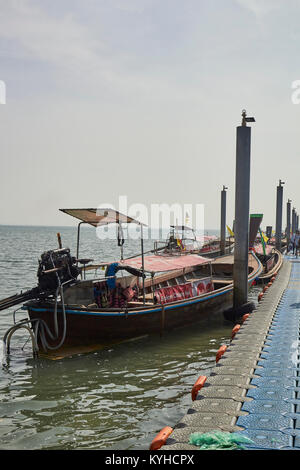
[[116, 398]]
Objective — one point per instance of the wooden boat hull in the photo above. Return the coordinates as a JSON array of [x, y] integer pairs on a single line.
[[96, 326], [216, 252], [274, 268]]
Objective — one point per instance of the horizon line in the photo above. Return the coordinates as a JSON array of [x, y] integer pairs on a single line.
[[84, 226]]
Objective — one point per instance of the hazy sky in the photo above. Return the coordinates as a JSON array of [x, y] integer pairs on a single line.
[[106, 98]]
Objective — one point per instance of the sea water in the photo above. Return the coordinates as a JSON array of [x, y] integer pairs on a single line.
[[116, 398]]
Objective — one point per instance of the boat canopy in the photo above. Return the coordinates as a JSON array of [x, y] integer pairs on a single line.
[[182, 227], [157, 263], [209, 238], [100, 216]]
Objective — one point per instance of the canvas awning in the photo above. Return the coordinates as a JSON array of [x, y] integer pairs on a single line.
[[209, 238], [182, 227], [157, 263], [100, 216]]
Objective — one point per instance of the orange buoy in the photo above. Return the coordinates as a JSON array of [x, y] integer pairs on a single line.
[[235, 330], [197, 386], [161, 438], [220, 352], [244, 317], [270, 283], [265, 288], [273, 278], [260, 296]]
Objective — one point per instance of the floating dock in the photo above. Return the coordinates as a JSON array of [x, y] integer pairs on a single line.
[[253, 389]]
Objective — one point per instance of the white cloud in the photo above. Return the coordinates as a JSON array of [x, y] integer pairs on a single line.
[[141, 82], [57, 40], [260, 8], [136, 6], [64, 43]]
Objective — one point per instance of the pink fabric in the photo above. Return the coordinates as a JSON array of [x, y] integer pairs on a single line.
[[259, 249], [157, 263], [165, 295]]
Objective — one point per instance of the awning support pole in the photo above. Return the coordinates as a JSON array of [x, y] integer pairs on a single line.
[[78, 238]]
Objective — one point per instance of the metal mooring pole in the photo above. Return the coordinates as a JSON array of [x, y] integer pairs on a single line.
[[293, 220], [279, 201], [223, 221], [242, 202], [288, 223]]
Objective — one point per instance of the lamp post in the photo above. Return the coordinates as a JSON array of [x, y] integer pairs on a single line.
[[242, 204], [279, 201], [288, 223], [223, 221]]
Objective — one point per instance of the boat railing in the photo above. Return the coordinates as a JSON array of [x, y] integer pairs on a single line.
[[95, 280], [157, 246]]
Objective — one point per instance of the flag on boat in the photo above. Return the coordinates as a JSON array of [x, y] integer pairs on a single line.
[[263, 242], [230, 231], [264, 237], [180, 244]]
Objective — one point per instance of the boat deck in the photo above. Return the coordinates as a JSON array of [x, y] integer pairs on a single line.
[[254, 389], [229, 259]]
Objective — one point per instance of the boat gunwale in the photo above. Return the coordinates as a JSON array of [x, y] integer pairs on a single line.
[[275, 268]]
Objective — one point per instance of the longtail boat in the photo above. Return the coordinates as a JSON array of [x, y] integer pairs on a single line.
[[212, 248], [182, 238], [178, 293], [271, 260], [158, 292]]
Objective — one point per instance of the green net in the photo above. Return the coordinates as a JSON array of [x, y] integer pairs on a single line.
[[217, 440]]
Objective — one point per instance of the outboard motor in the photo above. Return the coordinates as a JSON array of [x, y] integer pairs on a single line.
[[56, 267]]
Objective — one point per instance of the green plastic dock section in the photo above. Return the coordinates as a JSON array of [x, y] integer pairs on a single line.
[[253, 389]]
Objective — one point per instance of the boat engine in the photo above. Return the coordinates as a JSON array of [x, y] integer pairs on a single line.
[[56, 267]]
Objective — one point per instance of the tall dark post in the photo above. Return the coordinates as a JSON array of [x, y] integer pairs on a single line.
[[279, 201], [288, 223], [143, 263], [242, 202], [293, 220], [223, 221]]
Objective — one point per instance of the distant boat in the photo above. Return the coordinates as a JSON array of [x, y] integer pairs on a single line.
[[271, 260], [183, 239]]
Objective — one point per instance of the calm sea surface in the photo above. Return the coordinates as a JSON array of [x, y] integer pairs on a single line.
[[117, 398]]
